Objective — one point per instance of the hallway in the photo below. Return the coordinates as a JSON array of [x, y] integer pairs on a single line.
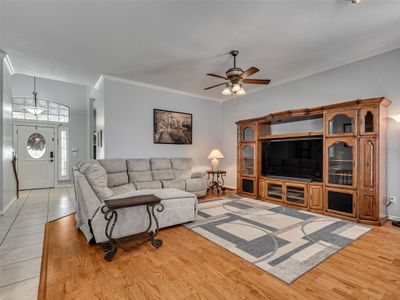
[[21, 238]]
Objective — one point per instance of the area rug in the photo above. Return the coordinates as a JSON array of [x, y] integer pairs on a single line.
[[282, 241]]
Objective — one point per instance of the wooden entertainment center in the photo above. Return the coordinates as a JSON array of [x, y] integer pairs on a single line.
[[353, 184]]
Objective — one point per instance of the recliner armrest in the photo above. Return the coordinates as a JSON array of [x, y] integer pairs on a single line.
[[198, 175]]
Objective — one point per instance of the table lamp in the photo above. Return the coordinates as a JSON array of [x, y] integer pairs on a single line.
[[214, 155]]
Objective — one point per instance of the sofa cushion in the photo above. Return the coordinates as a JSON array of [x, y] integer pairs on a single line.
[[138, 165], [160, 164], [148, 185], [176, 183], [116, 171], [163, 174], [196, 184], [96, 175], [122, 189], [139, 170], [182, 167]]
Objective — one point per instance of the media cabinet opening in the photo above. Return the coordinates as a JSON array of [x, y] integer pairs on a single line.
[[293, 158]]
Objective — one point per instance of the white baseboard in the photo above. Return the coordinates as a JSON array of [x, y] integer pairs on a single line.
[[393, 218], [231, 187], [4, 210], [64, 185]]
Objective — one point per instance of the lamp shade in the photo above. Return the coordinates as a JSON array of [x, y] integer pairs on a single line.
[[215, 153]]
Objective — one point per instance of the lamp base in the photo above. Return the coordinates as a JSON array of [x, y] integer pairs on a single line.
[[214, 164]]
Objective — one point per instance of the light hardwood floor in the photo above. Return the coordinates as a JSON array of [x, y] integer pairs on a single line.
[[188, 266]]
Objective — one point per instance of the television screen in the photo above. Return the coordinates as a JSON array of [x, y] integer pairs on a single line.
[[297, 158]]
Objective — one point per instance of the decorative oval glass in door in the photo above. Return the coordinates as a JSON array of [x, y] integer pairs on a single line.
[[248, 160], [36, 145], [340, 168]]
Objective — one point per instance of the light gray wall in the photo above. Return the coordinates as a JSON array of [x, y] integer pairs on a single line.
[[7, 178], [373, 77], [129, 123], [73, 95]]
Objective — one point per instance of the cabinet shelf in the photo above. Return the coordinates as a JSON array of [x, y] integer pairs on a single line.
[[341, 174], [290, 135], [341, 160], [294, 197]]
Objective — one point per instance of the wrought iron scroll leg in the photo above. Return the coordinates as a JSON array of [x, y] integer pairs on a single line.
[[156, 243]]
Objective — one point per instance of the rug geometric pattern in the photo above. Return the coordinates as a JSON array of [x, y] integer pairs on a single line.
[[282, 241]]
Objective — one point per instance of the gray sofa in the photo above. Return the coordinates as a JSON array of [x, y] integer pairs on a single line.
[[171, 180], [155, 173]]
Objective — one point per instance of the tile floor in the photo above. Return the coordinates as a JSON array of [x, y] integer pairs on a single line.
[[21, 238]]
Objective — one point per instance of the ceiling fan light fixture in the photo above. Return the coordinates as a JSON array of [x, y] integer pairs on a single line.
[[226, 91], [236, 87], [241, 92]]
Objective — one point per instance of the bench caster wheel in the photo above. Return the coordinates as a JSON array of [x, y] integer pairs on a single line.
[[109, 256], [106, 246], [156, 243]]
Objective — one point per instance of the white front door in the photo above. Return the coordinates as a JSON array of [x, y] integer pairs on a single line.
[[36, 157]]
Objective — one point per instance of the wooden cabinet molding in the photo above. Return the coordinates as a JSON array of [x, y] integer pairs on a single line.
[[315, 196], [369, 178]]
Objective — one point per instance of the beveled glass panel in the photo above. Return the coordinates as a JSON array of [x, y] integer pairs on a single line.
[[341, 124], [36, 145], [248, 134], [340, 164], [248, 160]]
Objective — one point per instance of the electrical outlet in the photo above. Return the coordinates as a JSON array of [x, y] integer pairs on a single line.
[[392, 199]]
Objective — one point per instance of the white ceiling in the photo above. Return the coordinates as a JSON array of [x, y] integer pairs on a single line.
[[174, 44]]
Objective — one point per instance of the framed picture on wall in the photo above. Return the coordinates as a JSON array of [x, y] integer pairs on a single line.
[[172, 127]]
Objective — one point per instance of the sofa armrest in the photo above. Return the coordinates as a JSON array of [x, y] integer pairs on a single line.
[[198, 175]]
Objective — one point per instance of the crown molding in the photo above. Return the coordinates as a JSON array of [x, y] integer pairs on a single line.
[[157, 87]]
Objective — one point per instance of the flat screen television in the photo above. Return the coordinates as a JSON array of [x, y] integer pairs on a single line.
[[299, 158]]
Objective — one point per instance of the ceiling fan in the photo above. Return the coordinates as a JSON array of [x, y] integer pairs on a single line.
[[236, 77]]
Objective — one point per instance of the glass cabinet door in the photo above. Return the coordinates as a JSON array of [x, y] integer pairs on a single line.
[[274, 191], [341, 162], [247, 160], [296, 194], [247, 134], [341, 123]]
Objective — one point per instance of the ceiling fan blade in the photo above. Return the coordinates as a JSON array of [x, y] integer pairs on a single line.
[[218, 76], [256, 81], [210, 87], [249, 72]]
